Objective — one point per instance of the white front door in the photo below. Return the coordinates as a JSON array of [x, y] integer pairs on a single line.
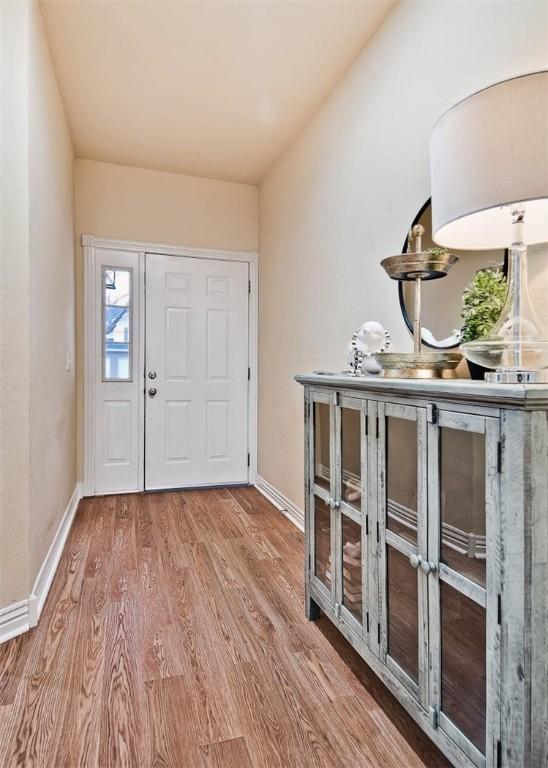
[[196, 372]]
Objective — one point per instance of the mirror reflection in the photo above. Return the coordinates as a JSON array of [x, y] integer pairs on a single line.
[[442, 299]]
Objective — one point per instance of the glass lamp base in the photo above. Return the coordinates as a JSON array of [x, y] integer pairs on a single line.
[[511, 362], [517, 345]]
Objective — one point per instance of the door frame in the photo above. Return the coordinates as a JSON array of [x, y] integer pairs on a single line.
[[90, 246]]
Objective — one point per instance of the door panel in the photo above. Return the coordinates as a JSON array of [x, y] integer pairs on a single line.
[[117, 445], [177, 343], [463, 518], [322, 446], [403, 544], [462, 502], [178, 434], [336, 505], [217, 446], [401, 477], [351, 494], [463, 663], [321, 485], [118, 431], [322, 565], [197, 351], [402, 600], [352, 563], [217, 343], [351, 456]]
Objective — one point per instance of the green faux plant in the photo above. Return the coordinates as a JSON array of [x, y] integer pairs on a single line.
[[482, 303]]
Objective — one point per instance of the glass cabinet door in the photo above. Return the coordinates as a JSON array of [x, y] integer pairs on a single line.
[[322, 488], [351, 493], [403, 545], [463, 500]]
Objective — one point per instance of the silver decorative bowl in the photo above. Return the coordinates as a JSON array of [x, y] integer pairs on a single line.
[[422, 365], [423, 265]]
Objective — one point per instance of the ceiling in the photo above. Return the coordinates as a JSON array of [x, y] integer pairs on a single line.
[[204, 87]]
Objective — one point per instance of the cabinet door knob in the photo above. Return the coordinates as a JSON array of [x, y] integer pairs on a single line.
[[415, 560], [427, 566], [334, 504]]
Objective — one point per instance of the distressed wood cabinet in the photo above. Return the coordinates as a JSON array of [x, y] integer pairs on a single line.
[[427, 545]]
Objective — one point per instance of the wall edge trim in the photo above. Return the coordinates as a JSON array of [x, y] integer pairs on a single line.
[[293, 513], [48, 568], [21, 616], [90, 241], [14, 620]]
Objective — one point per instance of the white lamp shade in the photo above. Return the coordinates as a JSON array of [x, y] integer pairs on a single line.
[[489, 151]]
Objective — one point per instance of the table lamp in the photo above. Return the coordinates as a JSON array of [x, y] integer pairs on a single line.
[[489, 175]]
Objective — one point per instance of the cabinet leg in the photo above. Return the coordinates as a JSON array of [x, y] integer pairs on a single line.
[[312, 609]]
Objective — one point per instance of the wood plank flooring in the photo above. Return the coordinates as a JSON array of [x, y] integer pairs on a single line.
[[174, 635]]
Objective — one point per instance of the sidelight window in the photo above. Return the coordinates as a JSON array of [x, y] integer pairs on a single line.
[[117, 290]]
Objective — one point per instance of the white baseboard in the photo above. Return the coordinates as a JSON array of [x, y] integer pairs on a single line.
[[19, 617], [286, 507], [49, 566], [14, 620]]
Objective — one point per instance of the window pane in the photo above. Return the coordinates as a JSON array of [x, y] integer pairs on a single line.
[[322, 542], [321, 445], [401, 477], [117, 284], [462, 490], [117, 317], [351, 457], [352, 566], [463, 664], [403, 613]]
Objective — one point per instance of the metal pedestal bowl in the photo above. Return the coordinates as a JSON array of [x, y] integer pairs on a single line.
[[419, 266], [422, 365]]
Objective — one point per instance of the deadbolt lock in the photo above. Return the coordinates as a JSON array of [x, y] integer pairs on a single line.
[[152, 374]]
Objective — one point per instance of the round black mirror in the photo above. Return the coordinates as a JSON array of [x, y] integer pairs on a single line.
[[442, 299]]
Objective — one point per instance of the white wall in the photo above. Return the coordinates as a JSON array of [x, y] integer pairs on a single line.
[[344, 193], [129, 203], [14, 300], [125, 203], [38, 406], [52, 301]]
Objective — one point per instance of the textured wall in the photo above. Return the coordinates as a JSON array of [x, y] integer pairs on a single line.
[[344, 193], [14, 300], [52, 302], [38, 404]]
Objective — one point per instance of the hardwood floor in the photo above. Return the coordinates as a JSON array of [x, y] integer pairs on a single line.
[[174, 635]]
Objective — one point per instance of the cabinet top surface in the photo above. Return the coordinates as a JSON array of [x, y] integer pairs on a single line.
[[517, 395]]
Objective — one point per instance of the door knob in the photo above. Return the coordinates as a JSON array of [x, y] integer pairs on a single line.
[[334, 504], [152, 374], [427, 566], [152, 391], [415, 560]]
